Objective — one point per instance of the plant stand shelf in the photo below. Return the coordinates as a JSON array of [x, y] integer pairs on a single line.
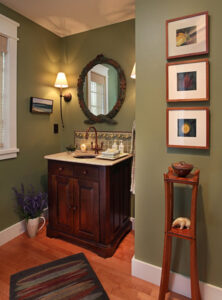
[[190, 234]]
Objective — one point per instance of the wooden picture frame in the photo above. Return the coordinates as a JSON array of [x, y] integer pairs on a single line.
[[187, 36], [187, 81], [41, 106], [187, 127]]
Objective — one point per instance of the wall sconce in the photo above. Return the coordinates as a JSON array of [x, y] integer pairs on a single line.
[[133, 74], [61, 82]]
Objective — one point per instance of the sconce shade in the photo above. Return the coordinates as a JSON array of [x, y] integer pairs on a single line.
[[133, 74], [61, 81]]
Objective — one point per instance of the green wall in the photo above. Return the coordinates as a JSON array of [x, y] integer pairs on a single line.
[[41, 55], [153, 157], [115, 41], [38, 62]]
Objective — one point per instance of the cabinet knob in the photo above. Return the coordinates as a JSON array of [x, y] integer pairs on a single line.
[[60, 169], [84, 172], [74, 208]]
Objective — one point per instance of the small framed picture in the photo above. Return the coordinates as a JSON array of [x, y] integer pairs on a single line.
[[188, 127], [187, 36], [39, 105], [187, 81]]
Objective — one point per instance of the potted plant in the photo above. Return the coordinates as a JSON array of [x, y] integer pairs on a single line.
[[70, 149], [31, 205]]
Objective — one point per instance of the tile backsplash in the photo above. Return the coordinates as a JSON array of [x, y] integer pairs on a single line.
[[105, 137]]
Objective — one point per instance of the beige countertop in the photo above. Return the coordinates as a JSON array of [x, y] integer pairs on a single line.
[[64, 156]]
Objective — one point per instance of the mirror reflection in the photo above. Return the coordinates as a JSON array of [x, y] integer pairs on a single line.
[[101, 89]]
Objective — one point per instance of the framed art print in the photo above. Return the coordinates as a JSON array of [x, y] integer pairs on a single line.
[[39, 105], [187, 81], [187, 36], [188, 127]]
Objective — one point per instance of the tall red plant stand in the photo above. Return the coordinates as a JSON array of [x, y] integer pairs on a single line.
[[189, 234]]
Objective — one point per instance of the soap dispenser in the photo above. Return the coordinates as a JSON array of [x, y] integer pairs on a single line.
[[121, 147], [114, 146]]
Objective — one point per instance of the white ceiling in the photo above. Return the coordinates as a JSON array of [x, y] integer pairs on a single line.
[[66, 17]]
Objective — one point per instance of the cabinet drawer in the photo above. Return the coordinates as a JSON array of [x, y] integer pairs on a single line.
[[60, 168], [86, 171]]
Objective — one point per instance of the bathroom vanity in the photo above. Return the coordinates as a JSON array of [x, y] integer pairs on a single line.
[[89, 201]]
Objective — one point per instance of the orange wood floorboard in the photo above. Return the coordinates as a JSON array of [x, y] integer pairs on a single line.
[[114, 273]]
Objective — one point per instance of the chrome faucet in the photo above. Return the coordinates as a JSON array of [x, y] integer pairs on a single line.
[[96, 148]]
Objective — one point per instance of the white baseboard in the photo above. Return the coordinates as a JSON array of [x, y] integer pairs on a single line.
[[133, 223], [178, 283], [11, 232]]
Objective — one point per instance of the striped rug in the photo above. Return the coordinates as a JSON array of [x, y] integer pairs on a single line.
[[68, 278]]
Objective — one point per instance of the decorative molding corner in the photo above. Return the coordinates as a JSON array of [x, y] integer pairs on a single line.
[[133, 223], [178, 283]]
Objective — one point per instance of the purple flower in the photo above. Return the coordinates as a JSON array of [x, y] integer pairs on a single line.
[[31, 204]]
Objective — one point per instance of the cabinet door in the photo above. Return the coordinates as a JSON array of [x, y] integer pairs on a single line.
[[62, 206], [86, 198]]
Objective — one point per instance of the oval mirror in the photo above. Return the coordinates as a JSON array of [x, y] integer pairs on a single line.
[[101, 89]]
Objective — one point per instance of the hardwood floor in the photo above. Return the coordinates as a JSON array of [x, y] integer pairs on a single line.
[[114, 273]]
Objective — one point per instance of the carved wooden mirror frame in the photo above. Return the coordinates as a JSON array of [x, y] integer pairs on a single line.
[[121, 91]]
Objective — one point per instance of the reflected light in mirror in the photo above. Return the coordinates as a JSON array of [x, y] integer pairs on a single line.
[[101, 89], [133, 74], [101, 93]]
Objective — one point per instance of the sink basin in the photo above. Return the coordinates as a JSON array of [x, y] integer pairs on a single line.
[[84, 156], [80, 154]]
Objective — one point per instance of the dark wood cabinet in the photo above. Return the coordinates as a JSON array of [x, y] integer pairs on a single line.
[[61, 191], [89, 205], [86, 221]]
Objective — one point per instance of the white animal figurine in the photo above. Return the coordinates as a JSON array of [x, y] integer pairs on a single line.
[[182, 222]]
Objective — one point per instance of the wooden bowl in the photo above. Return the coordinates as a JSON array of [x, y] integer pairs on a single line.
[[182, 169]]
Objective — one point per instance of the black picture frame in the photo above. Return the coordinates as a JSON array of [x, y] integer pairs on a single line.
[[41, 105]]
